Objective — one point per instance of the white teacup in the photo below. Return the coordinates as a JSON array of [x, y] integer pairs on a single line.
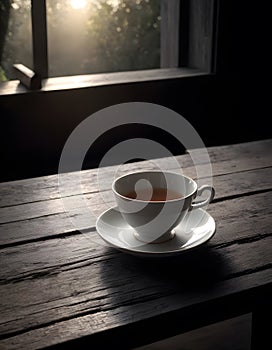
[[155, 202]]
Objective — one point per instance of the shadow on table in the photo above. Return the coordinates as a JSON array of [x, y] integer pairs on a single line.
[[151, 287], [197, 269]]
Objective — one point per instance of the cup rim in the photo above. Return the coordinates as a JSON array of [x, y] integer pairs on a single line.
[[154, 202]]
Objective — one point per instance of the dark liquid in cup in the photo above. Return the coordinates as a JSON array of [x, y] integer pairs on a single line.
[[158, 195]]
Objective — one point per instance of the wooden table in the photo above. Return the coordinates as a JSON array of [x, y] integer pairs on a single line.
[[57, 285]]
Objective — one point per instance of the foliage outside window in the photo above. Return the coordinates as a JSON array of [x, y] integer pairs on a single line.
[[84, 36], [15, 36]]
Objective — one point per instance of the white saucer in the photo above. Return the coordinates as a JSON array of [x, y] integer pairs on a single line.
[[197, 228]]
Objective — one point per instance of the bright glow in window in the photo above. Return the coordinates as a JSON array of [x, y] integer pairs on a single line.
[[78, 4], [97, 36]]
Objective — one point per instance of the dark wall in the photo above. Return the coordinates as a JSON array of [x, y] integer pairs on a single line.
[[225, 108], [243, 66]]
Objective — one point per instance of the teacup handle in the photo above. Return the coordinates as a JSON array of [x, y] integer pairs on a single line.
[[206, 201]]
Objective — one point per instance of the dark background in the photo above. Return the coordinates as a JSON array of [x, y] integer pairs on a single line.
[[228, 107]]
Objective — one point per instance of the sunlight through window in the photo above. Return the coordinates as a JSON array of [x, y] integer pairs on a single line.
[[100, 36], [78, 4]]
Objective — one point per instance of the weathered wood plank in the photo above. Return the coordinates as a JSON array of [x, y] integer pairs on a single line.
[[86, 325], [240, 150], [55, 290], [225, 159], [51, 211], [59, 223], [238, 328], [85, 272], [231, 229], [94, 310]]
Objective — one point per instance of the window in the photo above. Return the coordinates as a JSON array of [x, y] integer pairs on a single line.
[[38, 123], [90, 36], [15, 36], [76, 37]]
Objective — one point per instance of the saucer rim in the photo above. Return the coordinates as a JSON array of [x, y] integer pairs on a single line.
[[136, 252]]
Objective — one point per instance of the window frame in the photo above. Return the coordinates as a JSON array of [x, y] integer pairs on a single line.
[[190, 52], [39, 37]]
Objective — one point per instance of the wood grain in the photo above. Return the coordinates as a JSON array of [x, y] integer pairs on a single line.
[[225, 185], [66, 263], [231, 229], [60, 286], [95, 282], [48, 218], [227, 159], [152, 314]]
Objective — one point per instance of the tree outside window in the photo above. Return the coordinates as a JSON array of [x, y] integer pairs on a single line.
[[84, 36]]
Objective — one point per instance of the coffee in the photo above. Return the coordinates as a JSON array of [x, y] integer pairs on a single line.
[[158, 195]]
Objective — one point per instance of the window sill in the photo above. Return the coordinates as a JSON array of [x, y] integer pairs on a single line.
[[105, 79]]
